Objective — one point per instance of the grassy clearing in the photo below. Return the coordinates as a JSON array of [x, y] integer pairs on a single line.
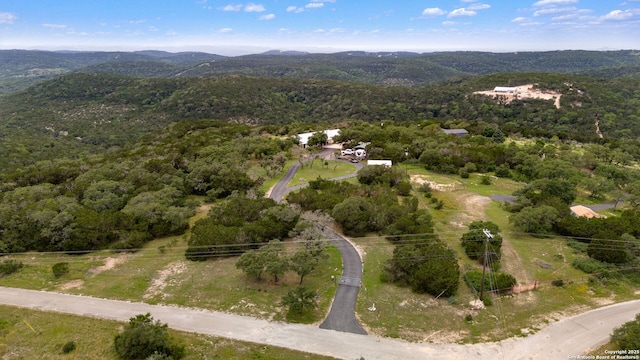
[[94, 339], [536, 261], [159, 273], [318, 169]]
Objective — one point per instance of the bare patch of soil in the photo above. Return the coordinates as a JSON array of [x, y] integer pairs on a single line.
[[523, 92], [109, 263], [422, 179], [73, 284], [162, 279]]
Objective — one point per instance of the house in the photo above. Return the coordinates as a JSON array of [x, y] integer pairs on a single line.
[[583, 211], [455, 132], [505, 89], [304, 137], [388, 163]]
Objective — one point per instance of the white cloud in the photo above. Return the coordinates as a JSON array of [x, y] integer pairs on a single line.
[[461, 12], [319, 31], [232, 8], [55, 26], [268, 17], [475, 7], [519, 19], [7, 18], [225, 30], [433, 12], [251, 7], [314, 5], [554, 10], [618, 15], [448, 23], [555, 2], [295, 9]]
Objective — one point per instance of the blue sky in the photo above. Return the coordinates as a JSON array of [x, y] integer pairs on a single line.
[[240, 27]]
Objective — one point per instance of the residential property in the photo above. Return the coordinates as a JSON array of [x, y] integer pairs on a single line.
[[583, 211], [304, 137], [505, 89], [455, 132]]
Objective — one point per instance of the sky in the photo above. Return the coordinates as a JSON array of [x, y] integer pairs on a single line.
[[229, 27]]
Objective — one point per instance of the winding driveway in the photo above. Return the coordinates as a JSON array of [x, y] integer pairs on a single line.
[[342, 314], [562, 340]]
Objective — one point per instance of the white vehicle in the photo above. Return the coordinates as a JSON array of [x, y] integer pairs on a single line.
[[347, 152]]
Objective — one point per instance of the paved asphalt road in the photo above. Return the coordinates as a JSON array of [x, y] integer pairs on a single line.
[[561, 340], [341, 317]]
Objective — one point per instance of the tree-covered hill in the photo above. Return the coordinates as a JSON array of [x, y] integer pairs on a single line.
[[19, 68], [93, 112]]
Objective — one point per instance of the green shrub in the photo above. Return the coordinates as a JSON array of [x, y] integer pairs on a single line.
[[592, 266], [627, 336], [68, 347], [60, 269], [143, 337], [485, 180], [8, 267], [558, 283]]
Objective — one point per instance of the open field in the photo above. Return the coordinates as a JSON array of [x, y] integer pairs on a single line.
[[535, 262], [159, 274], [27, 334]]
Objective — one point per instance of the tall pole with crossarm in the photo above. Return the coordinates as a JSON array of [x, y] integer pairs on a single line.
[[488, 236]]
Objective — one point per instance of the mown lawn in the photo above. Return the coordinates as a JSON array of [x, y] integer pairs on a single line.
[[313, 171]]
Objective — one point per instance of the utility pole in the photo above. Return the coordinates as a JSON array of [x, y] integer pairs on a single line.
[[488, 236]]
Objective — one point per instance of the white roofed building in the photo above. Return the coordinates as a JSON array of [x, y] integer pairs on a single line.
[[505, 89]]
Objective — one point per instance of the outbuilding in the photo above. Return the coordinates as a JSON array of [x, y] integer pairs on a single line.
[[388, 163]]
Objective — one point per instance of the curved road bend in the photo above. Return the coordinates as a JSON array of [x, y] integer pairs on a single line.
[[561, 340], [342, 314]]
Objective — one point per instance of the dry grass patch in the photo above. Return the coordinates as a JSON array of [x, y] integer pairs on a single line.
[[94, 339]]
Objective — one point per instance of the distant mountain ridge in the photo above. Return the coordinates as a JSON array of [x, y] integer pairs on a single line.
[[21, 68]]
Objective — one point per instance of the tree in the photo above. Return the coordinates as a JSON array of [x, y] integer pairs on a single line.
[[535, 220], [143, 337], [608, 250], [60, 269], [269, 258], [354, 214], [276, 264], [597, 185], [473, 241], [252, 263], [428, 266], [318, 138], [299, 300], [627, 336], [303, 263]]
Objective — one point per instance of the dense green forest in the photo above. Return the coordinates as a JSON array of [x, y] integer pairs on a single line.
[[87, 113], [21, 68]]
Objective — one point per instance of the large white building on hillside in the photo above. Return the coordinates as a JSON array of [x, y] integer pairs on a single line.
[[304, 137]]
